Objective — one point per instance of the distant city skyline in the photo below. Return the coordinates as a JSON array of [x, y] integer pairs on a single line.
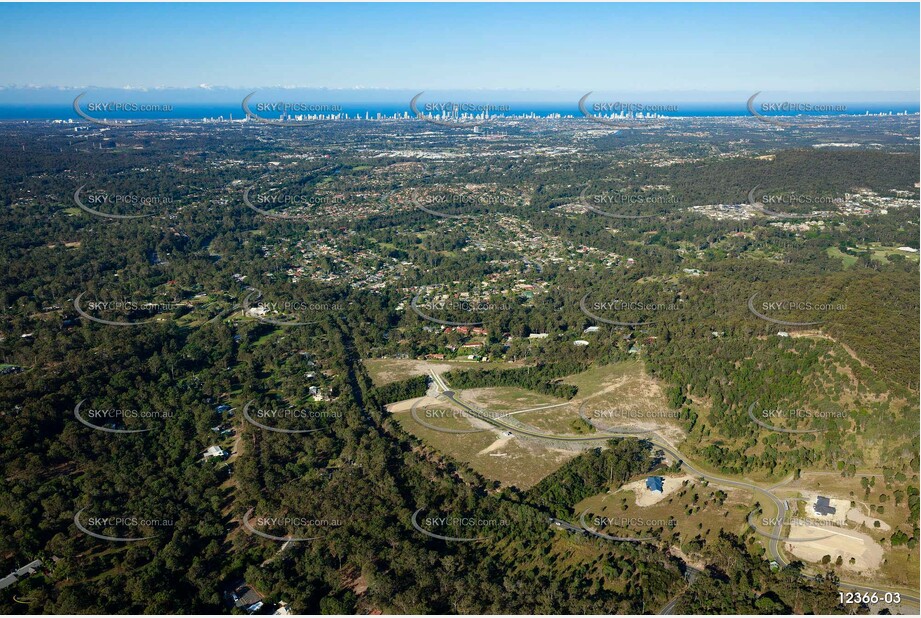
[[713, 50]]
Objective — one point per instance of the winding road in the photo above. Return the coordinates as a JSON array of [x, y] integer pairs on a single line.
[[909, 598]]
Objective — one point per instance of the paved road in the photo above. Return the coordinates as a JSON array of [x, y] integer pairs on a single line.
[[565, 525], [667, 610], [909, 598]]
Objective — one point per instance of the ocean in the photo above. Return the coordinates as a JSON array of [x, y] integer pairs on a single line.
[[235, 110]]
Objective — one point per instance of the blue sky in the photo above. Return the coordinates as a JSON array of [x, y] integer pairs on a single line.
[[629, 47]]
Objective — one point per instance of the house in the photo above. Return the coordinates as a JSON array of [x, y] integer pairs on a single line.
[[17, 574], [215, 451], [654, 483], [823, 506], [256, 312], [538, 335], [245, 597], [467, 330]]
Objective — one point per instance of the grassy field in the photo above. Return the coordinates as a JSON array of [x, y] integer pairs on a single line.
[[836, 253], [507, 398], [695, 509], [511, 460], [878, 253], [620, 396], [387, 370]]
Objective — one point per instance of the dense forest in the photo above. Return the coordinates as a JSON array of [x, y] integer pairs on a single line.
[[187, 277]]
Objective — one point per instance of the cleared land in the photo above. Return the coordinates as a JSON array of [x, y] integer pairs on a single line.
[[899, 564], [618, 397], [687, 508], [623, 389], [858, 551], [387, 370], [646, 497], [511, 460]]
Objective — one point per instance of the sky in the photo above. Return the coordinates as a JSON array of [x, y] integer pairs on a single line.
[[870, 47]]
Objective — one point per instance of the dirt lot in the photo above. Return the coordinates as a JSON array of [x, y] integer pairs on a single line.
[[387, 370], [646, 497], [832, 541], [511, 460]]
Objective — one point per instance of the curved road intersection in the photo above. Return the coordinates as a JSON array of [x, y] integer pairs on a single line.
[[909, 599]]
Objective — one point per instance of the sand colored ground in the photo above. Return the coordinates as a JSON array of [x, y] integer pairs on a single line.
[[387, 370], [508, 459], [496, 446], [857, 516], [834, 542], [407, 404], [645, 497]]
